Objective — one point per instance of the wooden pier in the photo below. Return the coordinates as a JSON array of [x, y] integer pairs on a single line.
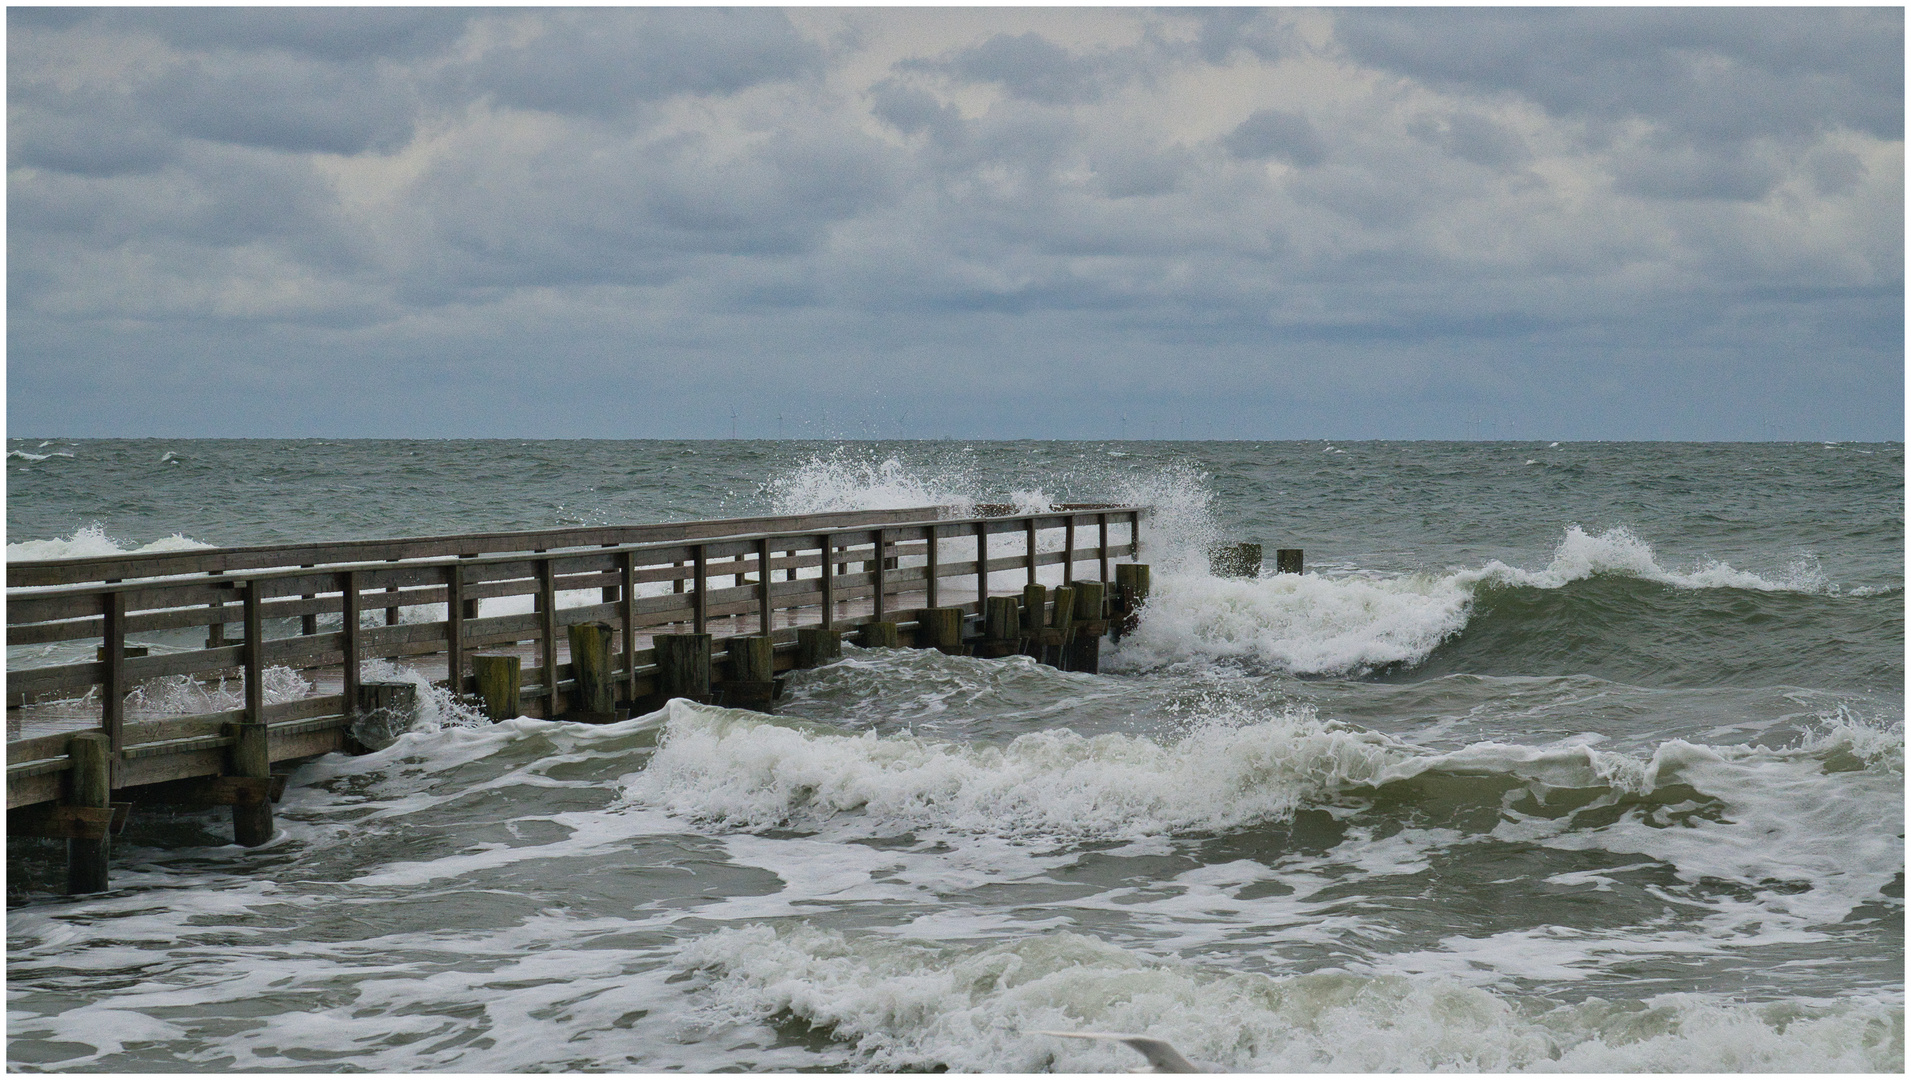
[[585, 623]]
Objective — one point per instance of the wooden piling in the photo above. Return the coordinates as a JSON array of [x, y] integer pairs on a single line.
[[594, 692], [499, 678], [89, 784], [1241, 560], [1034, 617], [1084, 648], [816, 646], [683, 665], [1001, 627], [382, 711], [1287, 561], [752, 673], [1131, 592], [880, 635], [940, 628], [248, 757]]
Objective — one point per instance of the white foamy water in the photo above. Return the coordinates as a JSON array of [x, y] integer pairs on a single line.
[[1320, 624], [92, 542]]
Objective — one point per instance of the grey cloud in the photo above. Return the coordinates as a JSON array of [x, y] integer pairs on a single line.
[[600, 62], [1277, 133], [912, 110], [1259, 33], [1472, 137], [1710, 74], [1028, 66], [1835, 172], [1687, 173]]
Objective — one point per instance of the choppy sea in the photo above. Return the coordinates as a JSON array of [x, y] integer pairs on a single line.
[[1571, 756]]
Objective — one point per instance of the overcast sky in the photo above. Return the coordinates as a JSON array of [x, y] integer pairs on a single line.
[[1606, 223]]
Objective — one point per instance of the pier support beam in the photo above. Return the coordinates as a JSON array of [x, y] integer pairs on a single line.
[[594, 687], [880, 635], [89, 785], [1001, 627], [1241, 560], [1084, 649], [940, 628], [1034, 617], [752, 681], [816, 646], [1287, 561], [683, 666], [1131, 592], [251, 825], [499, 678], [384, 711]]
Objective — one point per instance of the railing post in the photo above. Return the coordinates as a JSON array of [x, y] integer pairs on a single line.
[[882, 581], [348, 616], [1068, 549], [308, 623], [828, 546], [981, 565], [547, 634], [763, 614], [1101, 521], [933, 569], [253, 654], [700, 580], [250, 754], [391, 613], [113, 677], [216, 631], [628, 566], [1134, 533], [1031, 549], [454, 628]]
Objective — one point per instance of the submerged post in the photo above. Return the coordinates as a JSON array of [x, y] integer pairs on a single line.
[[1084, 649], [1001, 626], [683, 665], [817, 645], [594, 685], [88, 784], [880, 635], [499, 678], [1287, 561], [752, 681], [940, 628]]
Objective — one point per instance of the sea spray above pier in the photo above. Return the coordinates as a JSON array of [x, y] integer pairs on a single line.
[[1586, 757]]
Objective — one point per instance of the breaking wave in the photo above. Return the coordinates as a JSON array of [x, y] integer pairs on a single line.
[[92, 542]]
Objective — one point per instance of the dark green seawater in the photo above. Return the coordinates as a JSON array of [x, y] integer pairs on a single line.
[[1581, 756]]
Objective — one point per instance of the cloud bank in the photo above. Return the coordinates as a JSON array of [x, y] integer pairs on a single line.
[[1600, 223]]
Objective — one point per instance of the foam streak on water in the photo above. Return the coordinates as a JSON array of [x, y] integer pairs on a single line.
[[1557, 758]]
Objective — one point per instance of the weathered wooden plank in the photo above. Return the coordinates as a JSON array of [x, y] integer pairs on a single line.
[[65, 571]]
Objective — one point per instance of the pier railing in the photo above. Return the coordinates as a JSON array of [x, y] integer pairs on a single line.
[[306, 607]]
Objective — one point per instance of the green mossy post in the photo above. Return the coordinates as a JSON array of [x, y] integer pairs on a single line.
[[251, 825], [499, 678], [1241, 560], [683, 666], [1131, 590], [816, 646], [594, 691], [1084, 649], [1034, 617], [89, 784], [880, 635], [940, 628], [752, 673], [1001, 627], [1287, 561], [384, 711]]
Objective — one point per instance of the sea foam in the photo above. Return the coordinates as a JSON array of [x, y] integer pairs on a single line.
[[91, 542], [910, 1004]]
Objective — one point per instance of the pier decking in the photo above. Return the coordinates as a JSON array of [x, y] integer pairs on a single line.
[[94, 645]]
